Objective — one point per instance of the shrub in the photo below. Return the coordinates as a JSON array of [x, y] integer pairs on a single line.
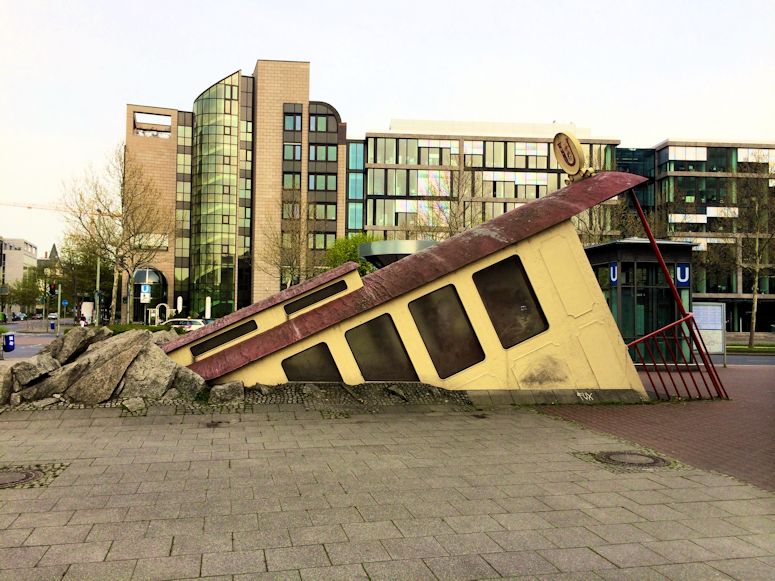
[[132, 326]]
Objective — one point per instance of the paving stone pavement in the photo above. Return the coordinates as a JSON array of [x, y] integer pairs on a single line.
[[735, 436], [413, 493]]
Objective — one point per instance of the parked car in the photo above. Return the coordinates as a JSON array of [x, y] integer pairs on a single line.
[[186, 324], [37, 316], [52, 316], [18, 316]]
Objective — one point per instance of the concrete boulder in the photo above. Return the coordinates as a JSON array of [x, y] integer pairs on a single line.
[[57, 382], [227, 393], [134, 404], [171, 395], [72, 344], [150, 375], [93, 376], [6, 380], [162, 337], [187, 383], [107, 367], [25, 372]]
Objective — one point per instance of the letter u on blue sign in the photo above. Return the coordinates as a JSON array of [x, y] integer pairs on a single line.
[[614, 270], [682, 275]]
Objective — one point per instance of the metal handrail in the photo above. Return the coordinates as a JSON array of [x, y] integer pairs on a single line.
[[693, 337]]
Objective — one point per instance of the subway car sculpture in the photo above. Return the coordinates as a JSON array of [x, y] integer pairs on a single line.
[[509, 306]]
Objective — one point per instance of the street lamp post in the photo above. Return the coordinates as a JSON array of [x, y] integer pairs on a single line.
[[46, 273], [59, 305], [97, 295]]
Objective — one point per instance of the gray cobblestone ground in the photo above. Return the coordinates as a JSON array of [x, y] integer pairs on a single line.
[[414, 492]]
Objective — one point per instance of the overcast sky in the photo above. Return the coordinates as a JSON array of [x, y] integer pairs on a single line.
[[637, 71]]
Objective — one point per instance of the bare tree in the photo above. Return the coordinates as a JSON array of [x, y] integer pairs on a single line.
[[286, 249], [117, 212], [756, 222], [449, 208], [610, 220], [613, 219]]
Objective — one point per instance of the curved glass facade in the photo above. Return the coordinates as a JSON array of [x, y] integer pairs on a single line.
[[214, 194]]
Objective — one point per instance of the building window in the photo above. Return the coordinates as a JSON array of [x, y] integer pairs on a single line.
[[291, 210], [320, 240], [376, 182], [529, 155], [510, 301], [322, 153], [446, 331], [473, 153], [292, 151], [494, 154], [355, 156], [313, 364], [355, 186], [292, 122], [355, 216], [322, 182], [291, 181], [379, 351], [322, 123], [322, 212]]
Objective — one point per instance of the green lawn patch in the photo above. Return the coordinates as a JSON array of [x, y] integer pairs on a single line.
[[766, 349]]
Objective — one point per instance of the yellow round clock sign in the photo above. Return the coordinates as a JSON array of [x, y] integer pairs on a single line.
[[569, 155]]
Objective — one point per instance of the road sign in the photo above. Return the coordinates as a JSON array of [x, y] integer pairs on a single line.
[[145, 288], [711, 321], [65, 302], [145, 297]]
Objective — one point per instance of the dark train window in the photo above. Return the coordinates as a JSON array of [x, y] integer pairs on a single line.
[[379, 351], [313, 364], [510, 301], [315, 297], [223, 338], [446, 331]]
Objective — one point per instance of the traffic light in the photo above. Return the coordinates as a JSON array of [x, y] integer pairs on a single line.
[[52, 289]]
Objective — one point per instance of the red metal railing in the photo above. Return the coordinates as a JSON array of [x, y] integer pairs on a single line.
[[674, 358], [675, 362]]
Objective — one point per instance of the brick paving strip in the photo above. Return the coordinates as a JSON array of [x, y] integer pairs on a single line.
[[736, 437], [415, 492]]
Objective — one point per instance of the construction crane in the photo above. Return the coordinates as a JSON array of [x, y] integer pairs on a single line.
[[28, 206], [53, 208]]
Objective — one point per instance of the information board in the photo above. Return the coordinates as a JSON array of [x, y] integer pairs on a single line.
[[711, 320]]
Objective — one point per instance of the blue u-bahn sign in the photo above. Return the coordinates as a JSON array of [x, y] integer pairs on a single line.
[[682, 275]]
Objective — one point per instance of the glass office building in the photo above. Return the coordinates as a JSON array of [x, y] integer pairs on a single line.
[[720, 197]]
